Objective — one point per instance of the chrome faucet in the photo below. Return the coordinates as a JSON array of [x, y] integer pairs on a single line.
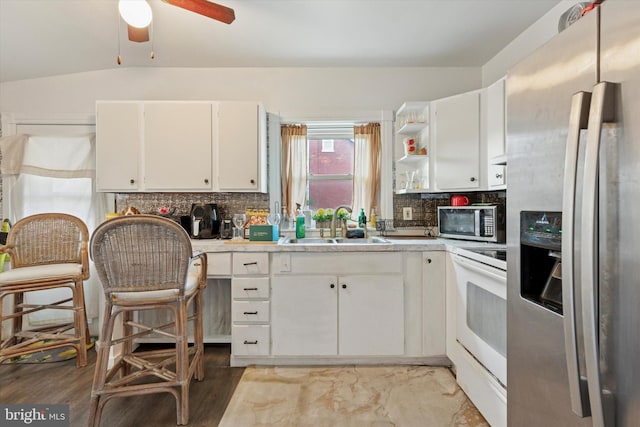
[[333, 221]]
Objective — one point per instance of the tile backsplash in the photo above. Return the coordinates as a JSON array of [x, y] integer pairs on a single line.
[[424, 206], [228, 203]]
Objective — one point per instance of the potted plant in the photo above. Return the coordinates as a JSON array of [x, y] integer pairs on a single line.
[[324, 216]]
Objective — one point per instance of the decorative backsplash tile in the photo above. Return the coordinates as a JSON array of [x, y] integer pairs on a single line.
[[425, 210], [228, 203]]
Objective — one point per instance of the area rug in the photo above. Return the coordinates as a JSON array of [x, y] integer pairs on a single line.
[[46, 356], [350, 396]]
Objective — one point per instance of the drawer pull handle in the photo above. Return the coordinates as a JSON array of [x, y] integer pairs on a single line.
[[251, 312], [250, 263], [250, 289], [251, 342]]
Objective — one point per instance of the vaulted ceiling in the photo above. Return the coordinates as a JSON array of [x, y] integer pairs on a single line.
[[49, 37]]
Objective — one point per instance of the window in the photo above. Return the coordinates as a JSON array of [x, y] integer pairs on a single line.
[[330, 180]]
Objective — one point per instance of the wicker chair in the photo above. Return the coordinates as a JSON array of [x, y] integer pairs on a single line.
[[145, 262], [48, 251]]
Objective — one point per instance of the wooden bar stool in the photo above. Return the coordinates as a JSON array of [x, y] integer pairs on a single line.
[[48, 251], [145, 262]]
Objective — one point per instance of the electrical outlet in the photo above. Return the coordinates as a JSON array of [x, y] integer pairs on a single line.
[[407, 213]]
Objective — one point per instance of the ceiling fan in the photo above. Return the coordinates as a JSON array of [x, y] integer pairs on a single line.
[[206, 8]]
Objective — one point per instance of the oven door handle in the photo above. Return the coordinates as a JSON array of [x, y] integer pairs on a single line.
[[578, 121], [472, 266]]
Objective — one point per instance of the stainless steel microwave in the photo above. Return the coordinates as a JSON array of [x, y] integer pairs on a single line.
[[481, 223]]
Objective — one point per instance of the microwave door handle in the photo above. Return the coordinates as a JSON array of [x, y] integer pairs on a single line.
[[602, 110], [476, 217], [578, 120]]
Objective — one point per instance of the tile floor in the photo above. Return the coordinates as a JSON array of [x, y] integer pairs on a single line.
[[350, 396]]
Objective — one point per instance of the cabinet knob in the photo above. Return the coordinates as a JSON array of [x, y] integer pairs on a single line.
[[253, 181], [428, 260], [206, 180], [472, 179], [332, 286], [132, 181], [498, 175], [344, 286]]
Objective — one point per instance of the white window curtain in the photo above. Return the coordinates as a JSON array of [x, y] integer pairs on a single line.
[[54, 174], [366, 173], [294, 166]]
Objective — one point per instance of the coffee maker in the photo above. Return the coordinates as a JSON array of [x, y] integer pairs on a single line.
[[205, 221]]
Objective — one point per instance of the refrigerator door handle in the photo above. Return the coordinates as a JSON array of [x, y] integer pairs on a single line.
[[578, 120], [602, 110]]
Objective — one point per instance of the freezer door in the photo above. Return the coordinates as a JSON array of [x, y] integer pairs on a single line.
[[619, 213], [540, 91]]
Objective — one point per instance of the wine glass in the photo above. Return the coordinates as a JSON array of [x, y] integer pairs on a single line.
[[239, 220], [273, 218]]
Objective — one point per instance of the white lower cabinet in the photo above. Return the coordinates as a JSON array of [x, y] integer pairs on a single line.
[[343, 315], [305, 315]]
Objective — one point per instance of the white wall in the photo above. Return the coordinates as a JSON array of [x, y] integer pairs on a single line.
[[529, 40], [291, 92]]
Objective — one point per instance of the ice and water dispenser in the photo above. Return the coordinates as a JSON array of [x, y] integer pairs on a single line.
[[541, 258]]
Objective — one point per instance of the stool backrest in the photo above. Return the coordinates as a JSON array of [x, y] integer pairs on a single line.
[[141, 253], [48, 238]]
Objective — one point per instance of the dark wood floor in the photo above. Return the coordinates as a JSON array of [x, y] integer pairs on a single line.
[[62, 382]]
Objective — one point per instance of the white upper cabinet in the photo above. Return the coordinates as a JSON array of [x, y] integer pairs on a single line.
[[118, 142], [195, 146], [496, 133], [177, 146], [242, 147], [457, 141]]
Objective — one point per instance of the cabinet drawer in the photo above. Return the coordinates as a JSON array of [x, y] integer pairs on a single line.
[[250, 340], [218, 264], [250, 288], [250, 311], [250, 263]]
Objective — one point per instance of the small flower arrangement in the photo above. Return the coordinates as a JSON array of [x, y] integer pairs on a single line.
[[324, 216]]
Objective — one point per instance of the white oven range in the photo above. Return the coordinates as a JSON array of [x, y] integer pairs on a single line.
[[479, 351]]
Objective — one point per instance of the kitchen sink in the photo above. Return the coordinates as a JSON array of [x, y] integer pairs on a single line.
[[362, 241], [334, 241], [308, 241]]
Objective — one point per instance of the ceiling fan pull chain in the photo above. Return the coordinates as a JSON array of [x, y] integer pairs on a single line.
[[119, 59], [152, 36]]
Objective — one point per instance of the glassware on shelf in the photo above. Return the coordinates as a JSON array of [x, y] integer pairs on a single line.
[[409, 180], [239, 220]]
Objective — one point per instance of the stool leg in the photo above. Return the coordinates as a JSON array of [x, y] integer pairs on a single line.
[[199, 336], [81, 324], [182, 361], [16, 323], [103, 346]]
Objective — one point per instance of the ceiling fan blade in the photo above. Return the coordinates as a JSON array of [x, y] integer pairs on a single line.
[[206, 8], [138, 34]]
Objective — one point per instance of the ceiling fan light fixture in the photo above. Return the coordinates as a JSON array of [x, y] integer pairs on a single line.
[[136, 13]]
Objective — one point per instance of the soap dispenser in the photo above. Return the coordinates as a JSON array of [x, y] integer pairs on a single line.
[[300, 223]]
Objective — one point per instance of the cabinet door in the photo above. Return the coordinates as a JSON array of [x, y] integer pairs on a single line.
[[496, 120], [371, 315], [304, 315], [433, 303], [118, 141], [241, 147], [178, 146], [457, 141]]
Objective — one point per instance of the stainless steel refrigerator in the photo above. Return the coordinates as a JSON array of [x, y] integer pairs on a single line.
[[573, 225]]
